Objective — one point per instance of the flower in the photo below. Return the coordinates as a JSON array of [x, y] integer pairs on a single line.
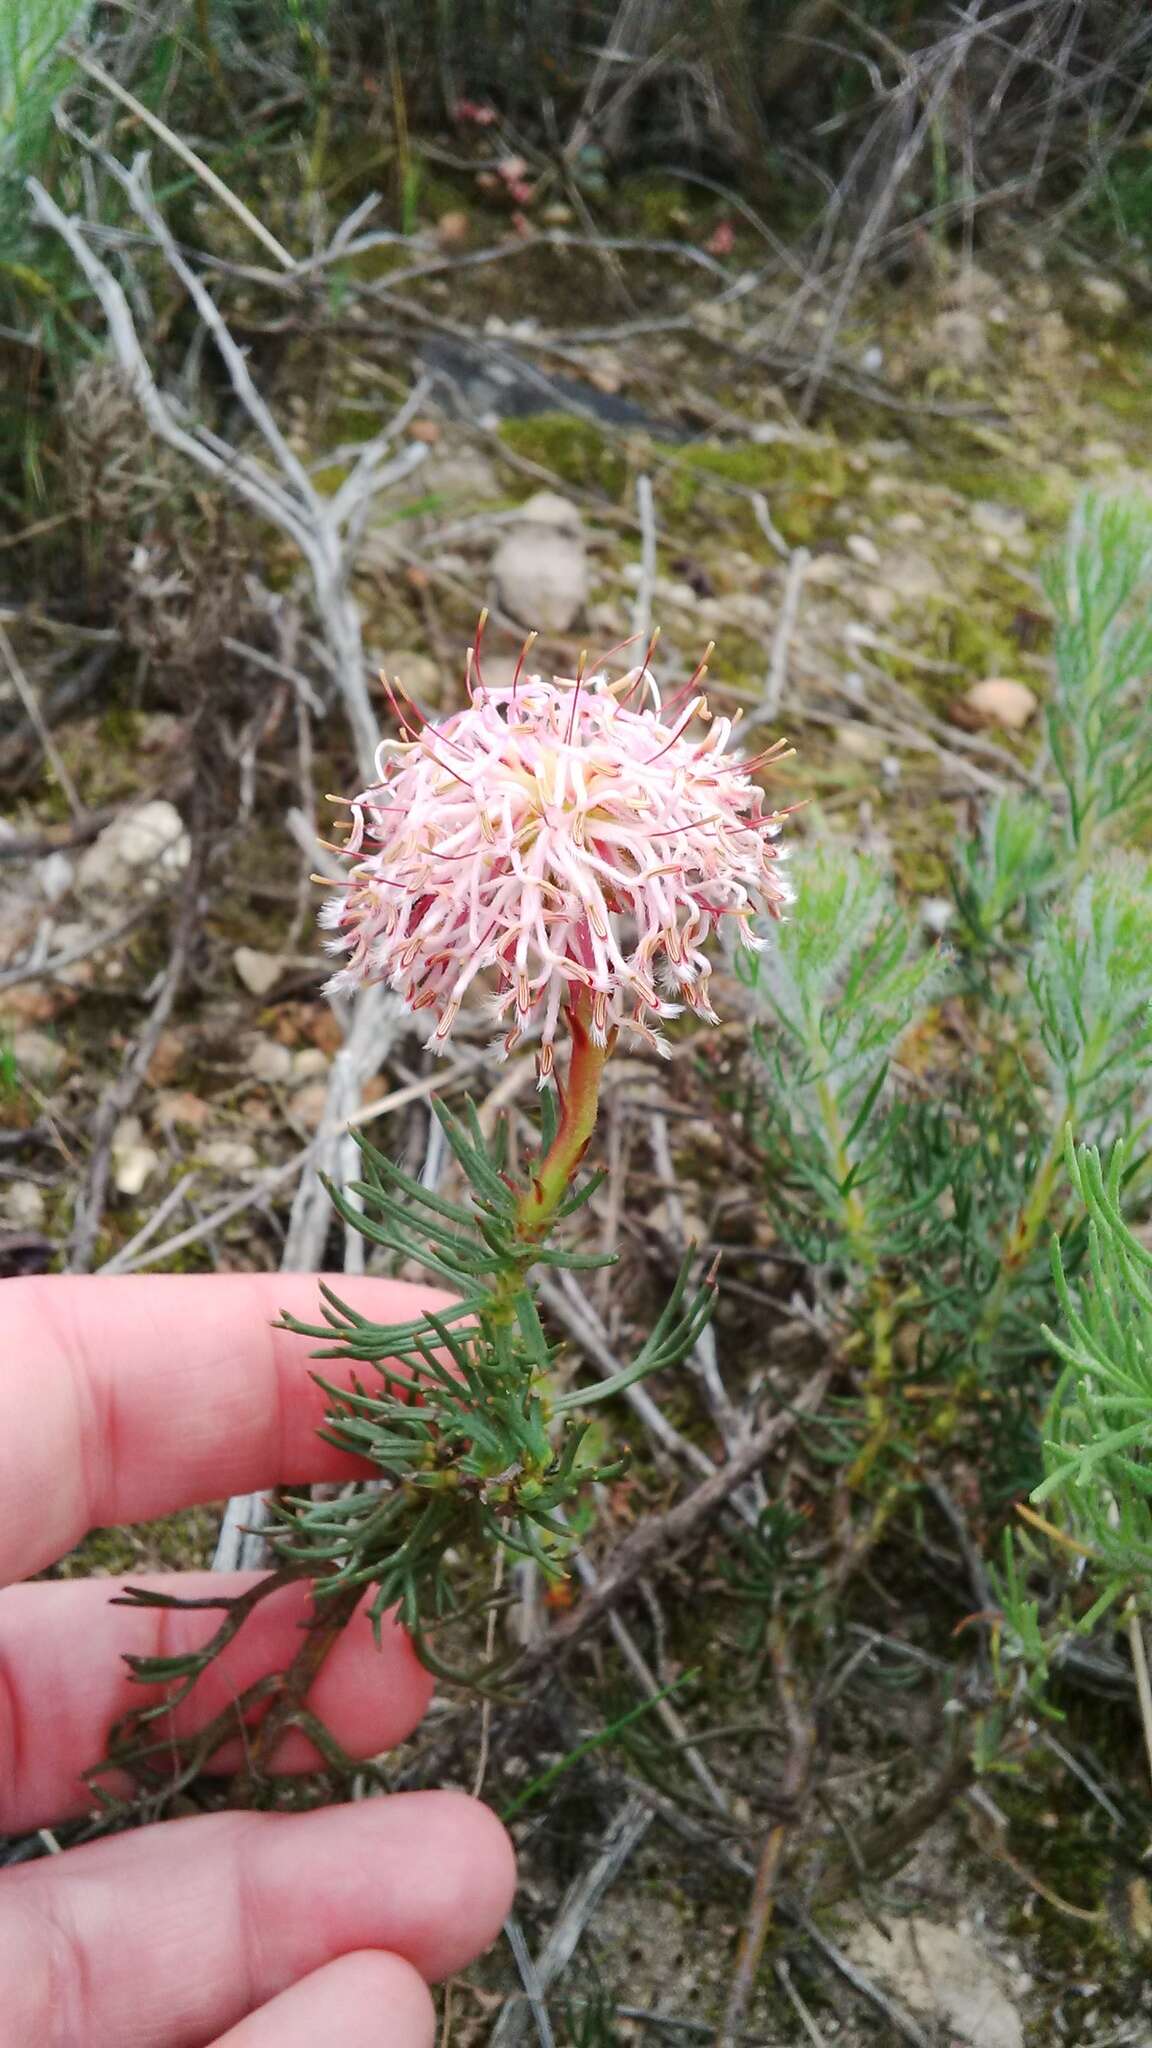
[[567, 838]]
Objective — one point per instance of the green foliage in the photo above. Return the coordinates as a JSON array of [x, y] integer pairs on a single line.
[[9, 1074], [1100, 714], [935, 1197], [844, 980], [1003, 875], [32, 72], [1098, 1448], [1023, 1642], [1089, 978], [458, 1410]]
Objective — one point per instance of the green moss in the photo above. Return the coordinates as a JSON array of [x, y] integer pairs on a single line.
[[656, 205], [329, 479], [182, 1542], [120, 728], [803, 482], [1066, 1842], [975, 631], [353, 423], [1045, 496], [574, 450], [923, 865]]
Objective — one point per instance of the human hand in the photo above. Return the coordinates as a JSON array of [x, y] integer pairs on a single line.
[[126, 1398]]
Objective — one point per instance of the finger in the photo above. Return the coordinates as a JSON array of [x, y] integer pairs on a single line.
[[362, 2001], [128, 1396], [175, 1933], [63, 1684]]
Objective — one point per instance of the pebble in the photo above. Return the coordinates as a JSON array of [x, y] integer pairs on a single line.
[[942, 1975], [146, 846], [863, 550], [37, 1055], [133, 1161], [998, 700], [1106, 295], [453, 230], [309, 1064], [540, 567], [22, 1205], [55, 874], [179, 1106], [229, 1155], [309, 1104], [936, 914], [1006, 522], [258, 971], [269, 1061]]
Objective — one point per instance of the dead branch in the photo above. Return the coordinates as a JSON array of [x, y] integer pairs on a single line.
[[326, 531], [624, 1836]]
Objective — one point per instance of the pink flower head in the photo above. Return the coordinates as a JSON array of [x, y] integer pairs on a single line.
[[571, 841]]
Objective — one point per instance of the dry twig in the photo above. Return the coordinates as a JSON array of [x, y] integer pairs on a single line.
[[624, 1836], [326, 531], [801, 1749]]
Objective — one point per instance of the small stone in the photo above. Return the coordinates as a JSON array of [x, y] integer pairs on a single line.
[[540, 567], [55, 874], [229, 1155], [863, 550], [914, 576], [461, 475], [259, 972], [826, 570], [942, 1974], [936, 914], [998, 700], [453, 230], [309, 1064], [1006, 522], [880, 603], [309, 1104], [22, 1205], [133, 1162], [37, 1056], [1103, 451], [1106, 295], [147, 846], [178, 1106], [168, 1058], [269, 1061]]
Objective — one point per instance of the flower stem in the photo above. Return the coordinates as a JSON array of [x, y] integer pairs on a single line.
[[554, 1172]]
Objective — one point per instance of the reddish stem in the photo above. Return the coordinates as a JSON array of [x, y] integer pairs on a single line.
[[555, 1171]]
